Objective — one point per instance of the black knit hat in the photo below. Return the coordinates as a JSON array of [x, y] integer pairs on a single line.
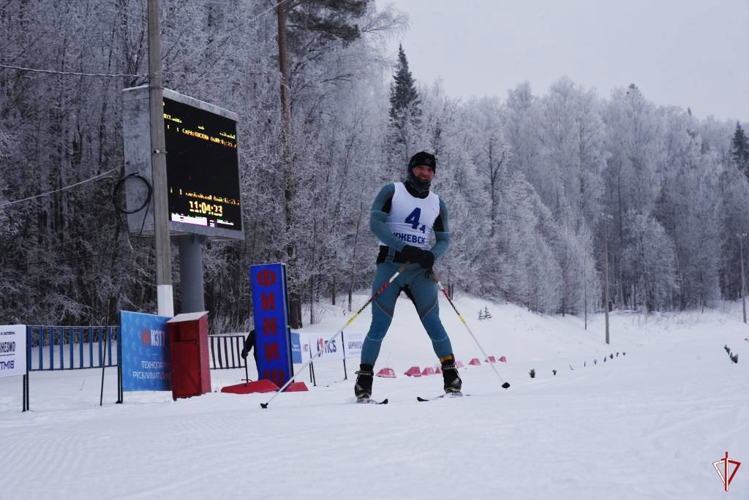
[[423, 158]]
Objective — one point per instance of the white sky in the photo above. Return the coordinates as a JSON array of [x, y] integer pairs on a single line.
[[689, 53]]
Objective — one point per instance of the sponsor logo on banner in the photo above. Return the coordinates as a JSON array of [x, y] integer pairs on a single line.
[[316, 345], [328, 346], [153, 337], [12, 350], [305, 345], [354, 343], [144, 352], [322, 350], [296, 348]]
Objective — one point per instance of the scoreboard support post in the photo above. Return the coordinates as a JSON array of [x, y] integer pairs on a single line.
[[191, 272]]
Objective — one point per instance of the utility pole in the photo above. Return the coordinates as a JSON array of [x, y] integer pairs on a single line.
[[585, 296], [741, 237], [164, 292], [606, 217], [295, 295]]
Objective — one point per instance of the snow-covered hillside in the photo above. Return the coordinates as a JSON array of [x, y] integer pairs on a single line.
[[647, 424]]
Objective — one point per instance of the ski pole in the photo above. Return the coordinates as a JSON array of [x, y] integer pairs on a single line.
[[331, 339], [505, 385], [103, 365]]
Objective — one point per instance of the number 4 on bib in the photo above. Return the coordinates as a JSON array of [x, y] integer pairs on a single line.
[[413, 218]]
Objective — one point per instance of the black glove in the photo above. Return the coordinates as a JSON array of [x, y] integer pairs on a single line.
[[415, 255], [426, 260], [411, 254]]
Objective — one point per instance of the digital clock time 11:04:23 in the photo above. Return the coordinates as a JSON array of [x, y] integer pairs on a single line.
[[203, 208]]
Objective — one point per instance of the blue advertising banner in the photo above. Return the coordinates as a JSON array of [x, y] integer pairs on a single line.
[[296, 348], [144, 351], [272, 341]]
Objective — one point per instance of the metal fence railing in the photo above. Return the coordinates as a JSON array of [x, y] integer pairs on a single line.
[[81, 347], [71, 347], [50, 348], [226, 349]]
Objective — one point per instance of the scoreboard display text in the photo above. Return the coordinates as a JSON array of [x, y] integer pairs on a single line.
[[202, 167]]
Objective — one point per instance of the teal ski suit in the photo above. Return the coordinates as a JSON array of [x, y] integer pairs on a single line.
[[415, 281]]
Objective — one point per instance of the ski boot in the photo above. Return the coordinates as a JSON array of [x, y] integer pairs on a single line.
[[450, 376], [363, 387]]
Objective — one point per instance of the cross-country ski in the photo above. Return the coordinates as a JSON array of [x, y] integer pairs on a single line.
[[370, 401], [446, 395]]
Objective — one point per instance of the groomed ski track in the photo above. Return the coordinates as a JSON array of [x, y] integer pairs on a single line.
[[645, 425]]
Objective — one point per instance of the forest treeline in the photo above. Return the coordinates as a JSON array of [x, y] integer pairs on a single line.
[[537, 185]]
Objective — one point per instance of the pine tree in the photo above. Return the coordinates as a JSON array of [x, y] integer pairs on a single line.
[[740, 149], [405, 111], [404, 97], [331, 19]]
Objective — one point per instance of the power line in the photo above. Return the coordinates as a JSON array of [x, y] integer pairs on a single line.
[[73, 73], [58, 190]]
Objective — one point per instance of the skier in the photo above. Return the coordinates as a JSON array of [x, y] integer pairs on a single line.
[[249, 345], [404, 216]]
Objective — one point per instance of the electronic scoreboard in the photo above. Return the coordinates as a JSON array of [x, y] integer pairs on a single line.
[[201, 161]]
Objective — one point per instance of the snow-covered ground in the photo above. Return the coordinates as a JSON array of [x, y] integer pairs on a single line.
[[647, 424]]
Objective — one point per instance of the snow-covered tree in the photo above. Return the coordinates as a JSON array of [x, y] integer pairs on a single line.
[[740, 149], [529, 180], [404, 114]]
